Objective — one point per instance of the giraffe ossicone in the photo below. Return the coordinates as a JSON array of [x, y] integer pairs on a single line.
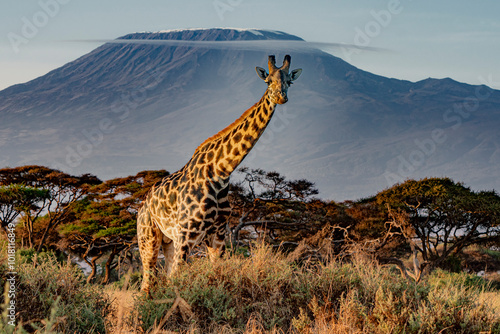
[[191, 206]]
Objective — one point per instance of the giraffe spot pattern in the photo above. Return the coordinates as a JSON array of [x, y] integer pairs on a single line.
[[237, 137]]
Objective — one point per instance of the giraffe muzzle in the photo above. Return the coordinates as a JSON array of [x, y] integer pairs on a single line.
[[281, 99]]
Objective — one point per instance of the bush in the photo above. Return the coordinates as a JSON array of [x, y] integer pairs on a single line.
[[229, 290], [454, 302], [48, 292]]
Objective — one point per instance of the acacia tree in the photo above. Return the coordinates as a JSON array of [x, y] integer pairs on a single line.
[[15, 199], [439, 217], [285, 208], [95, 228], [367, 219], [103, 223], [274, 186], [61, 191]]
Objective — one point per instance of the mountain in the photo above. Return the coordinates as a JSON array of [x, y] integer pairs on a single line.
[[123, 108]]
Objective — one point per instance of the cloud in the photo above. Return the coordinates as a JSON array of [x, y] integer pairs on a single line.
[[244, 45]]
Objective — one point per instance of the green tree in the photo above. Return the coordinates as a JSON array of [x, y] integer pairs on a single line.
[[15, 199], [61, 189], [439, 217], [103, 223], [285, 210]]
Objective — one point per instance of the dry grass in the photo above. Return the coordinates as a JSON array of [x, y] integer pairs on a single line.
[[267, 292], [122, 308], [491, 299]]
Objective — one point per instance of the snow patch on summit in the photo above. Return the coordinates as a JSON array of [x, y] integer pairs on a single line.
[[254, 31]]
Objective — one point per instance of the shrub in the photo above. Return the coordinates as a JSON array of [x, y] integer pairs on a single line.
[[48, 292], [454, 302]]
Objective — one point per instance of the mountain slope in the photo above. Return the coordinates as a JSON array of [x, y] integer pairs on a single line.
[[128, 107]]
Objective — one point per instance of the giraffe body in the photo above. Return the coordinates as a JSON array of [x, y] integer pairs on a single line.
[[191, 206]]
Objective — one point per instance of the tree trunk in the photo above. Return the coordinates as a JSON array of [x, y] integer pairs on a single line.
[[42, 240], [92, 264], [108, 268], [29, 228]]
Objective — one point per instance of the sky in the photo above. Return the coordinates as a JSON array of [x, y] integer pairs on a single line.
[[419, 39]]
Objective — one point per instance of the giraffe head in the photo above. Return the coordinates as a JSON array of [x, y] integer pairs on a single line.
[[278, 79]]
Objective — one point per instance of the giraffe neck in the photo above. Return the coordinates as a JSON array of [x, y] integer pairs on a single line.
[[223, 152]]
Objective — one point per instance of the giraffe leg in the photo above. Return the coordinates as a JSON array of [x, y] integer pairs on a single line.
[[220, 233], [182, 248], [216, 244], [169, 253], [219, 242], [149, 238], [218, 239], [174, 257]]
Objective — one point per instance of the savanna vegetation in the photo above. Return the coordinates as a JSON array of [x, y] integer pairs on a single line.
[[403, 261]]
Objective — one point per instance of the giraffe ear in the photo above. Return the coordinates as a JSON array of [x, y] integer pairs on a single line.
[[295, 74], [261, 73]]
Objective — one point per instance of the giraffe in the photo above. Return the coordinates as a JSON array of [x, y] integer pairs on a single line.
[[190, 206]]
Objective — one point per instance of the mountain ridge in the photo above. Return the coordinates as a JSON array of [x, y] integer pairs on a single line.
[[127, 107]]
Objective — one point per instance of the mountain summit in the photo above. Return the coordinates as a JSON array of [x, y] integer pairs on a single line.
[[128, 107]]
